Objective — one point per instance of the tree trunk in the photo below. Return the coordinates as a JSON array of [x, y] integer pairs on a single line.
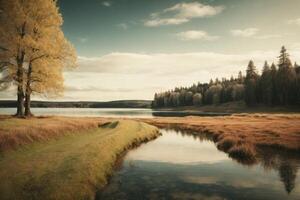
[[20, 102], [20, 92], [27, 105], [28, 93]]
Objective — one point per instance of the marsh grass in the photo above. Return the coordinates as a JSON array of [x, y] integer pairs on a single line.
[[240, 135], [16, 132], [71, 167]]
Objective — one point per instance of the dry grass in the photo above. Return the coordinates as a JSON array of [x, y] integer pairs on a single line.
[[72, 167], [240, 135], [15, 132]]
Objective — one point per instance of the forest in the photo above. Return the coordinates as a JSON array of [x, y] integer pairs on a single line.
[[277, 85]]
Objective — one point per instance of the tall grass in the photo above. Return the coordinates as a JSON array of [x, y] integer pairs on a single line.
[[72, 167], [15, 132], [240, 135]]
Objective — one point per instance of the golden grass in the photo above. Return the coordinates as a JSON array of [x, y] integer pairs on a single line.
[[72, 167], [16, 132], [241, 134]]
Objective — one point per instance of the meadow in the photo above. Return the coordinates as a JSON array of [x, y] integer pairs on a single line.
[[63, 158]]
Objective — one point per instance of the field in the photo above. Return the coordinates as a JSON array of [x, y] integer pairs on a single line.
[[241, 135], [73, 158]]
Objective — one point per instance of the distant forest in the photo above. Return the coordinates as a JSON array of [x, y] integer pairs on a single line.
[[278, 85]]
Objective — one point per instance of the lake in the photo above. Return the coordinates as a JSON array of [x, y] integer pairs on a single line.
[[110, 112], [182, 165]]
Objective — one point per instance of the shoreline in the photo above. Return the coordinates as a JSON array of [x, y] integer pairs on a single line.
[[241, 136], [71, 166]]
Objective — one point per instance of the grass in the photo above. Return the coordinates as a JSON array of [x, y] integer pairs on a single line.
[[241, 135], [71, 166], [16, 132]]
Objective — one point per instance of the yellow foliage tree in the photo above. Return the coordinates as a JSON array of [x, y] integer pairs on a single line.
[[33, 48]]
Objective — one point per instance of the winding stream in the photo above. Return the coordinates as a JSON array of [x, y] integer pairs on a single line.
[[180, 165]]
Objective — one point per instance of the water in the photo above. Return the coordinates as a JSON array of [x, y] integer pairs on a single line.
[[178, 165], [108, 112]]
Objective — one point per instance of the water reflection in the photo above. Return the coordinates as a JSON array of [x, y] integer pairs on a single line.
[[186, 165], [110, 112]]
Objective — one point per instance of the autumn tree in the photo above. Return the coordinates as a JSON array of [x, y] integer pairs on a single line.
[[33, 48]]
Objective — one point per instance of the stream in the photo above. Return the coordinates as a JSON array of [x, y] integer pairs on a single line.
[[185, 165]]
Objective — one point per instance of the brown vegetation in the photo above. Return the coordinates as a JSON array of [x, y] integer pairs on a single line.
[[72, 167], [240, 135], [15, 132]]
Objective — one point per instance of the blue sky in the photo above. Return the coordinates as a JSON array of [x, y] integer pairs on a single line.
[[100, 27], [130, 49]]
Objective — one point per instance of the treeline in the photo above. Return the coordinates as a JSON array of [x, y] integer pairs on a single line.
[[276, 85]]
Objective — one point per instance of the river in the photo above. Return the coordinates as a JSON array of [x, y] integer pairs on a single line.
[[110, 112], [183, 165]]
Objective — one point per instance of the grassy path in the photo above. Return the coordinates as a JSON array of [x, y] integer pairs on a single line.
[[72, 167]]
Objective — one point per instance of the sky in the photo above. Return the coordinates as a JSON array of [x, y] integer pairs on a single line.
[[130, 49]]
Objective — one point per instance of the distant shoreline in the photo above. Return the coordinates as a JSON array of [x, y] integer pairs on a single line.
[[213, 110], [82, 104]]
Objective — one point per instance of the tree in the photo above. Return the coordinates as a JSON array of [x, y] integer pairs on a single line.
[[266, 85], [286, 78], [240, 78], [197, 99], [34, 48], [189, 98], [251, 84], [274, 85]]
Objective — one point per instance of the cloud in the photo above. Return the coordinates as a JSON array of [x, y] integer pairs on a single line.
[[138, 76], [177, 64], [294, 22], [270, 36], [106, 3], [123, 26], [182, 13], [196, 35], [248, 32], [253, 33]]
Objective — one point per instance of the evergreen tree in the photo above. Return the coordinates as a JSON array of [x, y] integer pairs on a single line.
[[274, 88], [251, 84], [286, 78], [266, 85]]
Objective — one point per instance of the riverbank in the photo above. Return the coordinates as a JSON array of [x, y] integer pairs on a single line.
[[235, 107], [71, 160], [242, 135]]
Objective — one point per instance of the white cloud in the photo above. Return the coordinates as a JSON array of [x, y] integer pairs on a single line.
[[270, 36], [196, 35], [177, 64], [106, 3], [294, 21], [182, 13], [166, 21], [248, 32], [139, 76], [253, 33], [123, 26]]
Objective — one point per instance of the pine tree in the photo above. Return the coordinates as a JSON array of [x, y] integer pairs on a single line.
[[286, 78], [251, 84], [266, 85], [274, 84]]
